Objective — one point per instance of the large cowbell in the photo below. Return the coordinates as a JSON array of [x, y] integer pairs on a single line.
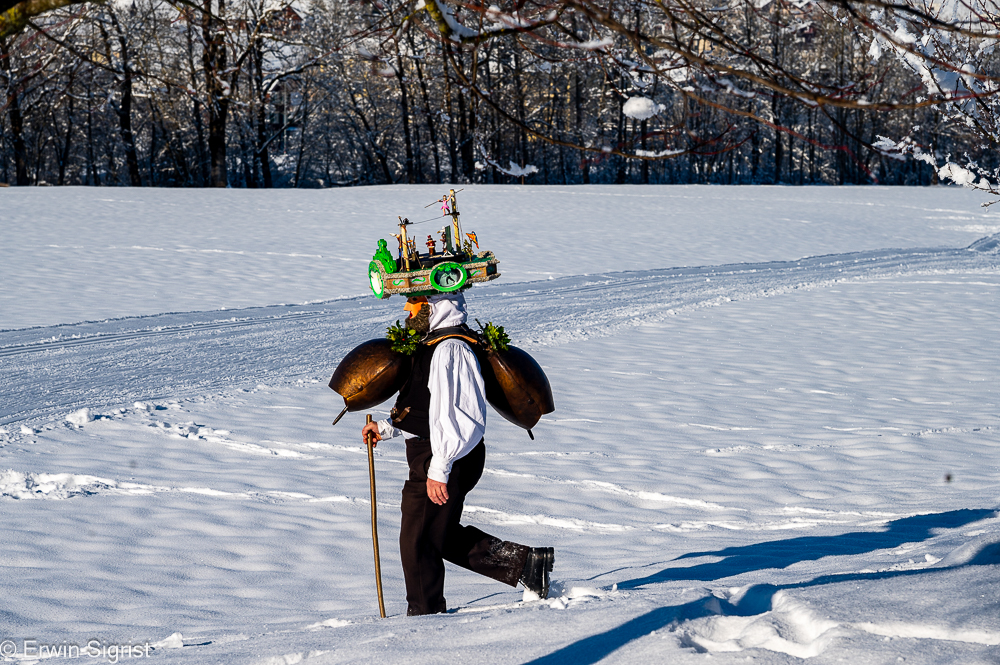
[[369, 375], [516, 386]]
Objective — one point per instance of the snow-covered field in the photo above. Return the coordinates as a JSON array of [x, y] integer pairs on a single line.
[[776, 433]]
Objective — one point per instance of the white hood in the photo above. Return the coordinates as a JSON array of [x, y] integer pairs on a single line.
[[447, 309]]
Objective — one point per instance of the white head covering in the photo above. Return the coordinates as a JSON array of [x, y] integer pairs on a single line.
[[447, 309]]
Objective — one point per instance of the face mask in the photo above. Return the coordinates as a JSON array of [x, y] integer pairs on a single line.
[[421, 322]]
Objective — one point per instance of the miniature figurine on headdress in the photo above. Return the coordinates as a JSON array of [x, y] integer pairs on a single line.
[[384, 257], [412, 253]]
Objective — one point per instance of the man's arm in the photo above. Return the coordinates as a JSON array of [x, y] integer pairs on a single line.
[[457, 411]]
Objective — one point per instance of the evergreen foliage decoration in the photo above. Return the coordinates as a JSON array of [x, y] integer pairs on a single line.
[[495, 336], [404, 340]]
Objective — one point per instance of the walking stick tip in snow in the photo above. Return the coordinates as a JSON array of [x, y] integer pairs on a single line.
[[370, 442]]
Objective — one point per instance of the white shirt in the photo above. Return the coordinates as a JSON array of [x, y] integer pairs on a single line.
[[458, 407]]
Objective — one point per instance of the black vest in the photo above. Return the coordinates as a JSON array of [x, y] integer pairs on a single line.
[[412, 410]]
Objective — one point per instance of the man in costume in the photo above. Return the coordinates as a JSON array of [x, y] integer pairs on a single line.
[[442, 409]]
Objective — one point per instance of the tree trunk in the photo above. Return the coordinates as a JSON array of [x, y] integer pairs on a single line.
[[404, 111], [262, 145], [465, 137], [776, 56], [779, 154], [428, 115], [196, 106], [67, 142], [522, 138], [642, 142], [452, 148], [620, 173], [125, 126], [578, 124], [16, 118], [214, 61], [91, 159], [124, 110], [248, 159], [302, 138], [376, 148]]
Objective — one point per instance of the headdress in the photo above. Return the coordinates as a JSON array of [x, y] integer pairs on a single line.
[[456, 268]]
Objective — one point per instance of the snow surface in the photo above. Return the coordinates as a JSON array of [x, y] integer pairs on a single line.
[[775, 437]]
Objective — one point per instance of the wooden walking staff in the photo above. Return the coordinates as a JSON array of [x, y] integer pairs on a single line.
[[371, 476]]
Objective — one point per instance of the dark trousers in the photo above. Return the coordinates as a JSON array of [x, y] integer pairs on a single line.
[[431, 534]]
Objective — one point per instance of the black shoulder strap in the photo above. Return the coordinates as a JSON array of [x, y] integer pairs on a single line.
[[462, 332]]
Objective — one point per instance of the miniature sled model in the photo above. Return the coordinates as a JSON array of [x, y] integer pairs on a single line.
[[457, 267]]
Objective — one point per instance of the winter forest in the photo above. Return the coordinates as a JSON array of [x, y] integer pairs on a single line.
[[320, 93]]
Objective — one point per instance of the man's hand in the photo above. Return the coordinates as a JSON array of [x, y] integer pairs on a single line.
[[370, 433], [437, 492]]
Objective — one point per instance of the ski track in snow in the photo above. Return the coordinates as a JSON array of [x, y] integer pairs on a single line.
[[153, 357]]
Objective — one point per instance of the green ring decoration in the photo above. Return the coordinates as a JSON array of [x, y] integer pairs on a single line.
[[445, 272], [375, 280]]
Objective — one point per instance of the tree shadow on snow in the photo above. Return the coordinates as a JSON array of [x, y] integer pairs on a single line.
[[758, 598]]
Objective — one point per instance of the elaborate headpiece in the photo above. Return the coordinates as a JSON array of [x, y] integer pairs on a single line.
[[515, 384], [410, 273]]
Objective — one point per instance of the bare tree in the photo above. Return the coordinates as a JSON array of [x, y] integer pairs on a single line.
[[745, 59], [256, 93]]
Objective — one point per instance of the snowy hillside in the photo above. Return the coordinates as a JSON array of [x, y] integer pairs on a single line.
[[776, 433]]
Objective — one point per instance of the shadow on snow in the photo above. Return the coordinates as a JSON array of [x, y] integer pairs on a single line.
[[759, 556]]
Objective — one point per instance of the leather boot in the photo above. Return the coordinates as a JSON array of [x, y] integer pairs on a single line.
[[536, 570]]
